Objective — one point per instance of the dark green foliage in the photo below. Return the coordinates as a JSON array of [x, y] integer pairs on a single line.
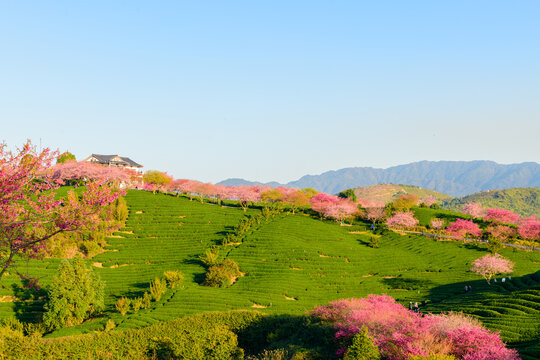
[[348, 194], [76, 294], [120, 210], [374, 241], [362, 347], [222, 275]]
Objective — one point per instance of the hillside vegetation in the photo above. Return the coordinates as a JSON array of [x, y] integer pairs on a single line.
[[385, 193], [523, 201], [289, 265]]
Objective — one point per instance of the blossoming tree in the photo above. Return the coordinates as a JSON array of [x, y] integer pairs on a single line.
[[402, 219], [31, 212], [490, 265], [462, 228]]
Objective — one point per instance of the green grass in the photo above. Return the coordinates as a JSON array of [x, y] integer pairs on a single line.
[[291, 264]]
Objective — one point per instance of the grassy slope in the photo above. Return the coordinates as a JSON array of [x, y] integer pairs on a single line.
[[292, 263], [385, 193], [524, 201]]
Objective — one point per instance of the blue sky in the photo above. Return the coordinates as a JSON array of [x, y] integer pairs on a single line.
[[273, 90]]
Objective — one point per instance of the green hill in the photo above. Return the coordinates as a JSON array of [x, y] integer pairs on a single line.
[[290, 263], [524, 201], [385, 193]]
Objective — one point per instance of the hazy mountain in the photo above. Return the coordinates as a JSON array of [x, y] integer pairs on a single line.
[[456, 178]]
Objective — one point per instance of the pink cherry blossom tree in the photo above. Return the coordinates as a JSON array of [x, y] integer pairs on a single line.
[[475, 210], [322, 202], [501, 216], [375, 214], [401, 334], [245, 195], [462, 228], [529, 228], [490, 265], [429, 200], [295, 199], [31, 213], [402, 219], [343, 209], [83, 171], [501, 232], [437, 223]]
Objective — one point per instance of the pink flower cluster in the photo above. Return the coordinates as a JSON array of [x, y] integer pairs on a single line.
[[400, 333], [490, 265], [462, 228], [403, 219]]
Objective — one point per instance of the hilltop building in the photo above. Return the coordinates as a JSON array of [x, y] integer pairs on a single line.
[[114, 160]]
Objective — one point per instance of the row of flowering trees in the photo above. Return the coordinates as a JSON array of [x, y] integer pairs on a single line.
[[505, 223]]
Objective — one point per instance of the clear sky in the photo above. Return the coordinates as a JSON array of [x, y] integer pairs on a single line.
[[273, 90]]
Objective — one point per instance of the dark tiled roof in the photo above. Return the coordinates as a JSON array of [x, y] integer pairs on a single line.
[[106, 159]]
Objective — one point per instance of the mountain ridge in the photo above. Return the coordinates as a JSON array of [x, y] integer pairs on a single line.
[[455, 178]]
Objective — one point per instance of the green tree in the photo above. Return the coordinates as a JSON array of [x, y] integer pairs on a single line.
[[362, 347], [76, 294], [156, 177], [65, 157], [120, 210], [348, 194]]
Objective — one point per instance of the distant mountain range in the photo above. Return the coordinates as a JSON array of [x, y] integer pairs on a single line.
[[455, 178]]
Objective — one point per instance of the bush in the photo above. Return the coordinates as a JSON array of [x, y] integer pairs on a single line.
[[362, 347], [222, 275], [374, 241], [173, 278], [120, 210], [146, 300], [210, 257], [122, 305], [136, 304], [494, 245], [158, 288], [109, 325], [76, 294]]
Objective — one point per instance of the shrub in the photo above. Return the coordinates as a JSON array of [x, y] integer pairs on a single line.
[[122, 305], [158, 288], [120, 210], [374, 241], [210, 257], [146, 300], [109, 325], [136, 304], [76, 294], [222, 275], [173, 278], [362, 347]]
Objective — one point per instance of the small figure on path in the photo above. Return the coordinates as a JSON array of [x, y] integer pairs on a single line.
[[466, 288], [416, 306], [503, 280], [410, 305]]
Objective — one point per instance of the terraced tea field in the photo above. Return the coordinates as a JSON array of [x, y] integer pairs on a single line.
[[292, 263]]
